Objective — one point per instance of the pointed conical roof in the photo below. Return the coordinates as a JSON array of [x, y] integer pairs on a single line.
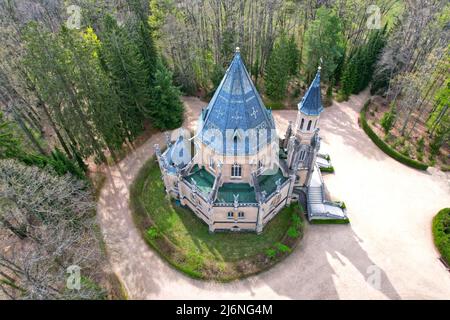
[[311, 103], [236, 105]]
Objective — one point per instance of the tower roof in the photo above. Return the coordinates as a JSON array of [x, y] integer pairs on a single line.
[[311, 103], [236, 105]]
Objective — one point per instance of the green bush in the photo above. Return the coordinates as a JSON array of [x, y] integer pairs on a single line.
[[296, 220], [152, 233], [420, 145], [330, 221], [385, 147], [441, 233], [282, 247], [292, 232], [387, 121], [271, 253], [326, 169], [341, 97], [274, 105]]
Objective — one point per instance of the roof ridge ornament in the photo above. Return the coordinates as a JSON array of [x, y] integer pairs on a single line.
[[238, 49]]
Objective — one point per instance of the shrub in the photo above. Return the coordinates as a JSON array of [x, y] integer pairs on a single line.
[[387, 121], [420, 145], [327, 169], [296, 93], [405, 151], [152, 233], [420, 156], [329, 96], [274, 105], [296, 220], [271, 253], [385, 147], [282, 247], [341, 97], [292, 232], [441, 233]]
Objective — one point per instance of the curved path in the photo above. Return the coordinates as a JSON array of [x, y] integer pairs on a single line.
[[386, 252]]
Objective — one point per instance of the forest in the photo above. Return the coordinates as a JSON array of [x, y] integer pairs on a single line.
[[82, 80]]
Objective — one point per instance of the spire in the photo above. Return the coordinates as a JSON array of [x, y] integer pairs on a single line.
[[236, 105], [311, 103]]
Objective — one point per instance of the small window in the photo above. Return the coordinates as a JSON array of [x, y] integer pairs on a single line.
[[309, 125], [241, 215], [302, 155], [236, 171], [315, 123], [260, 164], [230, 215], [211, 162], [302, 123]]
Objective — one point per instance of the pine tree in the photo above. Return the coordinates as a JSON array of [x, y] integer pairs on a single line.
[[168, 110], [293, 55], [359, 67], [323, 39], [123, 62], [54, 73], [277, 71]]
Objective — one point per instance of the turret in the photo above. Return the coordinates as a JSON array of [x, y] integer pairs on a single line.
[[309, 109]]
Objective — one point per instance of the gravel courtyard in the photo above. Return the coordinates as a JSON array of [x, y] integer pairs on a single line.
[[385, 253]]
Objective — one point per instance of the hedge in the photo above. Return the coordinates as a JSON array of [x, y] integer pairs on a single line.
[[441, 233], [330, 221], [384, 146], [327, 169]]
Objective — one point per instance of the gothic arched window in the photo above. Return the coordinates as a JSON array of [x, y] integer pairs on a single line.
[[302, 123], [309, 125], [236, 170]]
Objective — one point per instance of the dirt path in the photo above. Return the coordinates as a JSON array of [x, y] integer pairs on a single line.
[[386, 252]]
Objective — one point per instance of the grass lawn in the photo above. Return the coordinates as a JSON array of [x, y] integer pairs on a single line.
[[184, 240], [441, 233]]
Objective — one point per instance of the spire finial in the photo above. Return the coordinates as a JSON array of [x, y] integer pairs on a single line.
[[238, 49], [320, 65]]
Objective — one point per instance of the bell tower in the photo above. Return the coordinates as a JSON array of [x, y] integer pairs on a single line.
[[309, 109]]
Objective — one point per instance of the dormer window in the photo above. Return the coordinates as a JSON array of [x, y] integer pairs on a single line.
[[236, 170]]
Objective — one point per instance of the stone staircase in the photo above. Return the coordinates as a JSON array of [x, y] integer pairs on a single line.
[[315, 195]]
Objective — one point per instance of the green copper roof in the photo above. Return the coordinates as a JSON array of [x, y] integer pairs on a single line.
[[245, 191], [268, 184], [203, 178]]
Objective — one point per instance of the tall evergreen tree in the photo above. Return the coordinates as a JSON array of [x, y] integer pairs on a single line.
[[54, 73], [126, 67], [277, 70], [323, 39], [293, 54], [359, 67], [168, 110]]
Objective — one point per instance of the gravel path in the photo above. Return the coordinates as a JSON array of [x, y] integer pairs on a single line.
[[386, 253]]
